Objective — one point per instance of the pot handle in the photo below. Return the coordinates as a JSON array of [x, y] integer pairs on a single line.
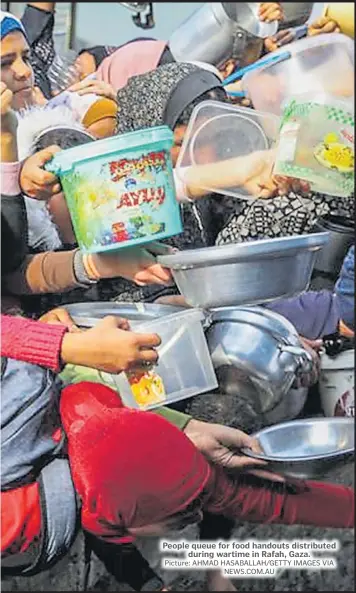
[[304, 358]]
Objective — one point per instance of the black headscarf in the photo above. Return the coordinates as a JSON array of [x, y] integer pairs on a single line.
[[161, 96]]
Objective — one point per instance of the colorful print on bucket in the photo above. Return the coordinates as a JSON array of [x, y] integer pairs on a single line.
[[123, 198]]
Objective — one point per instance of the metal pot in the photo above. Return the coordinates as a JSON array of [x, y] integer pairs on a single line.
[[218, 31], [295, 13], [221, 30], [258, 354], [342, 235]]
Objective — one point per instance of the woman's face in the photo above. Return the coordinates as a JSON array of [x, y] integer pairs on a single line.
[[16, 70]]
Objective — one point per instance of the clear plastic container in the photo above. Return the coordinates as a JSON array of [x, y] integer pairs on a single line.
[[227, 148], [321, 64], [184, 367], [316, 143]]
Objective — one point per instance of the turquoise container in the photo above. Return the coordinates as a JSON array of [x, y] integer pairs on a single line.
[[120, 191]]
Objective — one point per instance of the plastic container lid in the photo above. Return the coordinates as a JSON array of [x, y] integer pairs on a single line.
[[324, 63], [64, 160], [218, 132]]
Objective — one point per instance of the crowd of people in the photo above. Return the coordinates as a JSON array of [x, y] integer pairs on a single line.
[[75, 457]]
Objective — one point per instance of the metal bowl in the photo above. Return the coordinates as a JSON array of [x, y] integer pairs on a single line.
[[246, 273], [306, 448]]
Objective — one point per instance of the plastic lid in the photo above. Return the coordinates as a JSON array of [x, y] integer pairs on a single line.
[[218, 132], [311, 47], [64, 160]]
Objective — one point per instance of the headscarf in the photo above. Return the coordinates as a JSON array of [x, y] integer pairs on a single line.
[[129, 467], [10, 23], [132, 59], [161, 96], [100, 109]]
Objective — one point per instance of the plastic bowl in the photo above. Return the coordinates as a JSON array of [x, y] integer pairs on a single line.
[[219, 132]]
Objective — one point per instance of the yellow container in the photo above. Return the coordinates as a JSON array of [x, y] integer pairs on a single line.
[[344, 14]]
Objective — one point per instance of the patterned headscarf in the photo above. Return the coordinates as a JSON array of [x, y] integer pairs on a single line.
[[160, 96]]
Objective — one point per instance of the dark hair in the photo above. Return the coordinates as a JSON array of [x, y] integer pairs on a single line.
[[217, 94], [62, 137], [98, 52]]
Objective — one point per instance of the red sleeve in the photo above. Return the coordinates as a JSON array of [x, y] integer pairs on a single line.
[[32, 341], [20, 519], [298, 502]]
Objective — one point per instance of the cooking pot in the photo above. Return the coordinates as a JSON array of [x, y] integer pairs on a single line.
[[341, 236], [218, 31], [221, 30], [258, 354]]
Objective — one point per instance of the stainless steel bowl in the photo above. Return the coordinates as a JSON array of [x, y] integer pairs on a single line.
[[306, 448], [246, 273]]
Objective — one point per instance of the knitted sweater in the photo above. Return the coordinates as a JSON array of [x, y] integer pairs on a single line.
[[32, 341]]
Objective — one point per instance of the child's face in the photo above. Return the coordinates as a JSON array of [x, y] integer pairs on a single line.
[[104, 128], [86, 64], [179, 132]]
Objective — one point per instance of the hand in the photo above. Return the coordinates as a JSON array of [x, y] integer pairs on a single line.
[[135, 263], [35, 181], [313, 347], [270, 11], [60, 316], [93, 86], [220, 445], [279, 39], [9, 121], [110, 346], [260, 181], [6, 100], [175, 300], [323, 25]]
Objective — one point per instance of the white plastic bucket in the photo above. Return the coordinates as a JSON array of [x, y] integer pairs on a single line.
[[337, 384]]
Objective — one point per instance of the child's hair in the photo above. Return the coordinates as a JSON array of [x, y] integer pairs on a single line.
[[217, 94], [64, 137]]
